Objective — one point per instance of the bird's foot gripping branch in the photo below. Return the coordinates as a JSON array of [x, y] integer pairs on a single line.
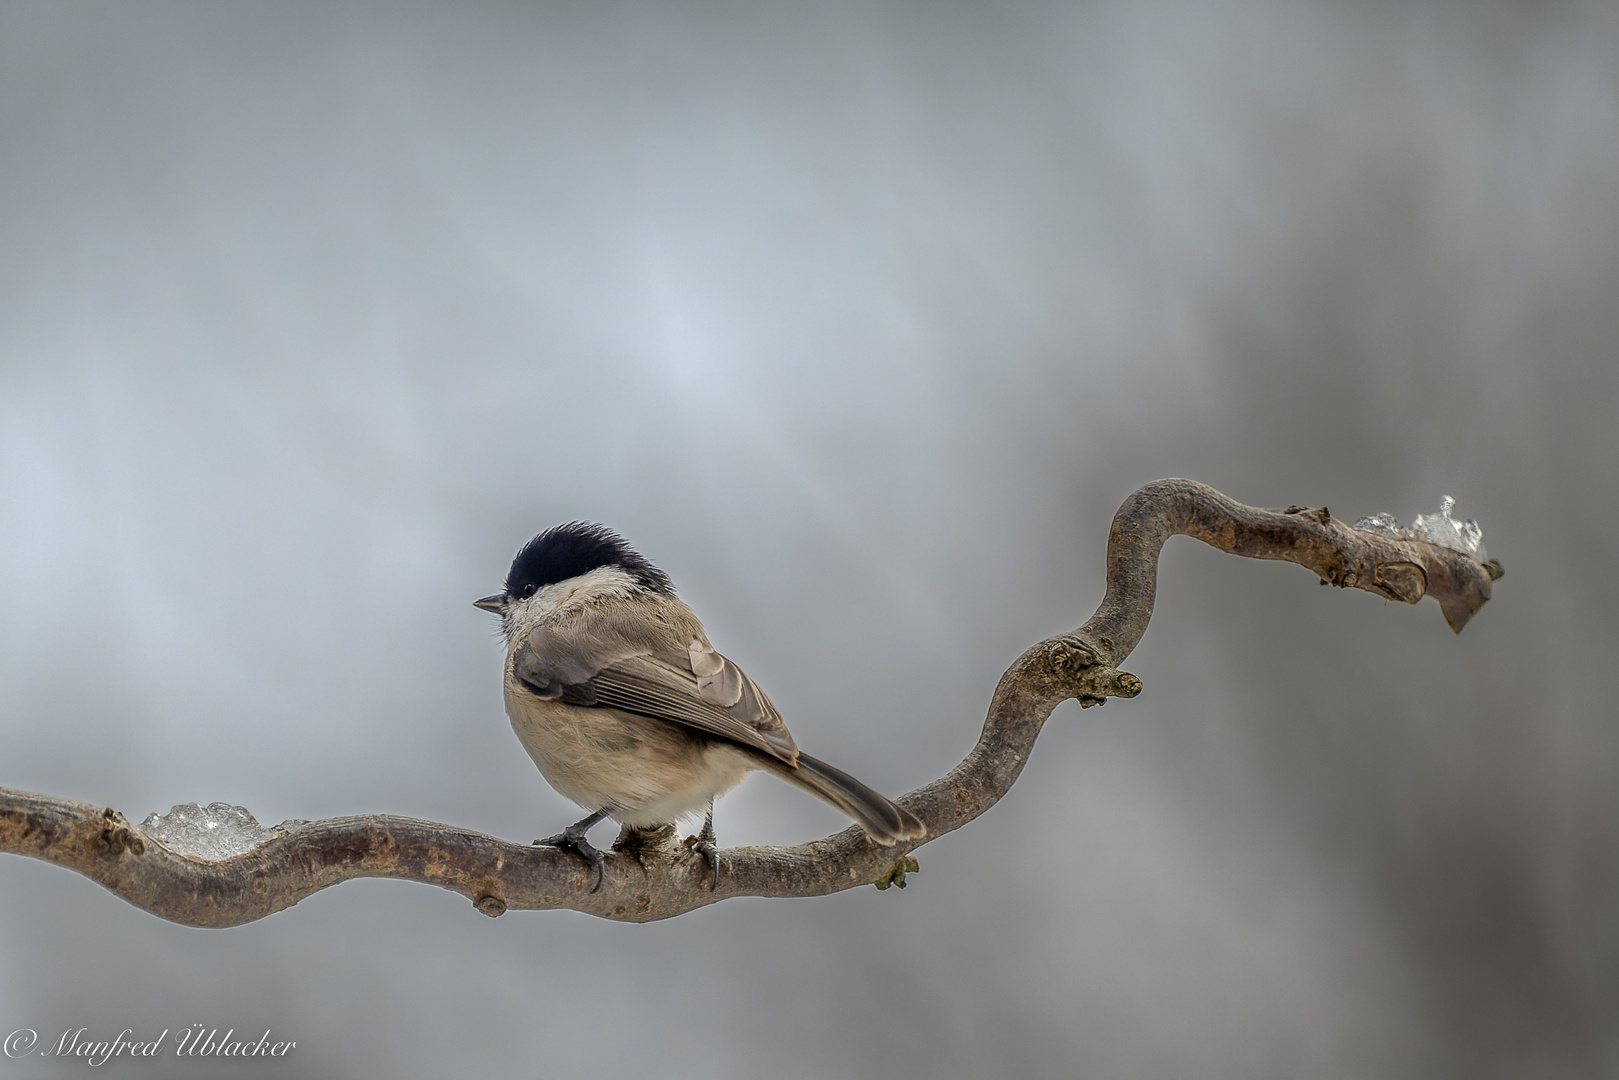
[[659, 877]]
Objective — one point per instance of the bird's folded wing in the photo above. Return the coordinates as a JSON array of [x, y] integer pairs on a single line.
[[655, 687]]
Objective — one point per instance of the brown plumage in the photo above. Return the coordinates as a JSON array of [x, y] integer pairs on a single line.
[[614, 690]]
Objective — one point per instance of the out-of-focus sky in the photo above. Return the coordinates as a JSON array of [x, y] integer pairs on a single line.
[[860, 319]]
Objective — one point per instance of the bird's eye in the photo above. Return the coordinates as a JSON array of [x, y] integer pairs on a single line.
[[527, 591]]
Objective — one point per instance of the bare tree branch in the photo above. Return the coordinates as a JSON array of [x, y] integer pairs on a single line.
[[651, 875]]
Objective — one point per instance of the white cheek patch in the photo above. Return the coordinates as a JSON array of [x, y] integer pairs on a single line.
[[547, 600], [575, 591]]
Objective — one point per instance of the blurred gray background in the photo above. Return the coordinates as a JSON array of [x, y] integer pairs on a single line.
[[861, 320]]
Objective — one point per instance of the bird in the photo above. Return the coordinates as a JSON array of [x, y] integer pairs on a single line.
[[613, 688]]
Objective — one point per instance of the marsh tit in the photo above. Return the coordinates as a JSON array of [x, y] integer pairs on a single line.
[[615, 692]]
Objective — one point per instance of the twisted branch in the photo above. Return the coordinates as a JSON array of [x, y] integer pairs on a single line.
[[651, 875]]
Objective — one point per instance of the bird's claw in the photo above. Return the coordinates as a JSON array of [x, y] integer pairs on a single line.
[[703, 844], [573, 839], [711, 855]]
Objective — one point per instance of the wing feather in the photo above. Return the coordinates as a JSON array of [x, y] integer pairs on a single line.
[[654, 687]]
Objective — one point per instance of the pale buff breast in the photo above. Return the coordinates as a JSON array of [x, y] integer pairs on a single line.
[[644, 772]]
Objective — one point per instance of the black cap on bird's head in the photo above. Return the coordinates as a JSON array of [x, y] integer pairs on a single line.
[[568, 551]]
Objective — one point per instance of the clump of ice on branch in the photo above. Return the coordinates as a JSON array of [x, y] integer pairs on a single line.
[[1439, 528], [214, 832]]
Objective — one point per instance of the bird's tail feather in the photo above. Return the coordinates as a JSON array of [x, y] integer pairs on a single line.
[[882, 820]]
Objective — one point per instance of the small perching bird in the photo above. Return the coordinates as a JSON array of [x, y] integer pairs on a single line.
[[617, 695]]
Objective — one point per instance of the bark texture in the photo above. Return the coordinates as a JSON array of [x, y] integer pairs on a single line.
[[652, 875]]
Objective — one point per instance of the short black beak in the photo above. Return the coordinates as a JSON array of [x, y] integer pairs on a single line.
[[495, 603]]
